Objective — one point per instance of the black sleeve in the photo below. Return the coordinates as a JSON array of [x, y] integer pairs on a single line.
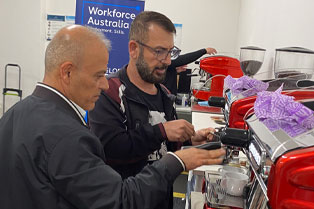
[[187, 58], [78, 173]]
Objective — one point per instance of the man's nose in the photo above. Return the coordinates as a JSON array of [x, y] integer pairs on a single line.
[[167, 60], [104, 85]]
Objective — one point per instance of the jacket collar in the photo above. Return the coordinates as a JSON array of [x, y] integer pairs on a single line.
[[53, 95]]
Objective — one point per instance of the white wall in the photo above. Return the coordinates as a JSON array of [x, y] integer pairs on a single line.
[[205, 22], [21, 41], [272, 24]]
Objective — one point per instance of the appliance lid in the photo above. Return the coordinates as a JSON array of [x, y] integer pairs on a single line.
[[253, 48], [296, 49]]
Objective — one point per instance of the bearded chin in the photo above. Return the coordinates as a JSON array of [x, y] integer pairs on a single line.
[[147, 75], [161, 78]]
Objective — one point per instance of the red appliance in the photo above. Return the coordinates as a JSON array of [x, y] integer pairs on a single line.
[[282, 168], [217, 67], [289, 184], [239, 108]]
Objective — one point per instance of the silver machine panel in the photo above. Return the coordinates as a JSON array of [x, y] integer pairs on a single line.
[[264, 149], [278, 142]]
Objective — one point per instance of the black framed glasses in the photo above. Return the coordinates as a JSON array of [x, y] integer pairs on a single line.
[[162, 54]]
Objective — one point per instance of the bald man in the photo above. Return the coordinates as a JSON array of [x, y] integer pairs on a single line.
[[48, 157]]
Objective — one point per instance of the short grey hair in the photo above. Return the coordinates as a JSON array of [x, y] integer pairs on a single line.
[[64, 48], [101, 36]]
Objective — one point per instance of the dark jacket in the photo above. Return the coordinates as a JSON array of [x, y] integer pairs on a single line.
[[50, 160], [171, 76], [121, 120]]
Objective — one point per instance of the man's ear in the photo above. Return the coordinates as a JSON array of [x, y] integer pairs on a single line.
[[134, 49], [66, 69]]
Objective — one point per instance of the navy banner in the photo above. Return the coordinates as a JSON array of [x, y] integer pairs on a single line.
[[113, 18]]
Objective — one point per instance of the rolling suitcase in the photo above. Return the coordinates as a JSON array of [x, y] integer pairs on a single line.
[[11, 91]]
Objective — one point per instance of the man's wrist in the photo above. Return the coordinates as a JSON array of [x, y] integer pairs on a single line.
[[179, 159]]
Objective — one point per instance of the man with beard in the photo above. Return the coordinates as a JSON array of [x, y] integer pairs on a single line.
[[135, 118]]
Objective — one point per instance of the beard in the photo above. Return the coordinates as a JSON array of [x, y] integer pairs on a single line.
[[149, 75]]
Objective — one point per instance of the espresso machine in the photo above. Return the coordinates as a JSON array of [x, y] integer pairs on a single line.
[[214, 69], [280, 168]]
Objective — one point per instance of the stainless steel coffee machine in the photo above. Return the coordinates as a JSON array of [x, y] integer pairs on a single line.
[[280, 168]]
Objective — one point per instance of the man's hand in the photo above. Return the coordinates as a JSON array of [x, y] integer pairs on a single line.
[[179, 130], [181, 68], [210, 50], [193, 157], [202, 135]]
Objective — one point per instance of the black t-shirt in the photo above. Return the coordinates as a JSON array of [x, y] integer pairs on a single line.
[[153, 102], [156, 115]]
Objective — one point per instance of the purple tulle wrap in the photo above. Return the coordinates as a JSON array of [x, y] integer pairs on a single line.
[[245, 85], [279, 111]]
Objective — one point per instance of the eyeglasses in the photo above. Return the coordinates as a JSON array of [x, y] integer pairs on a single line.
[[162, 54]]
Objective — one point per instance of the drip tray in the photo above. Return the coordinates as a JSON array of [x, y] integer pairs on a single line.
[[216, 196]]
